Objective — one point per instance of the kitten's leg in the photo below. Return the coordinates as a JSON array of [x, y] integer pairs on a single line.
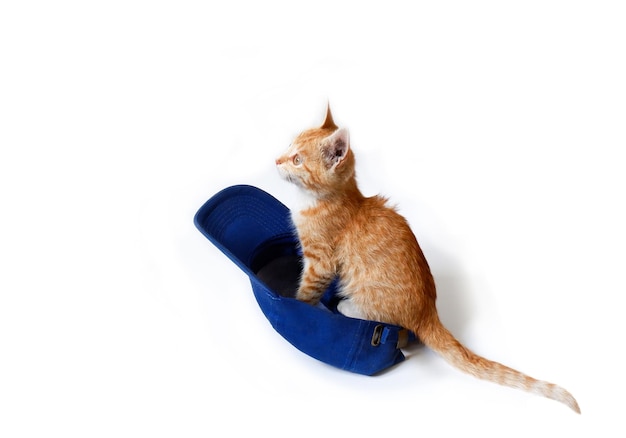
[[347, 308], [316, 277]]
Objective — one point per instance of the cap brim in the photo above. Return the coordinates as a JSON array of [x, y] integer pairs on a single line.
[[241, 219]]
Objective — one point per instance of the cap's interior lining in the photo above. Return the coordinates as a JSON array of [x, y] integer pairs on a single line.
[[282, 274], [278, 264]]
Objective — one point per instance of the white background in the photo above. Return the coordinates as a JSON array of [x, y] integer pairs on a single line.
[[497, 128]]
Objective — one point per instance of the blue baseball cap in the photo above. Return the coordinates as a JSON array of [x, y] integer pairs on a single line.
[[255, 231]]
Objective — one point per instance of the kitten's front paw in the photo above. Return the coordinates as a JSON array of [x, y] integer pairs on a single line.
[[307, 298]]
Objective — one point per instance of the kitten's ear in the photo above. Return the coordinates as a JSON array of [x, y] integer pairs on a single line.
[[335, 147], [328, 122]]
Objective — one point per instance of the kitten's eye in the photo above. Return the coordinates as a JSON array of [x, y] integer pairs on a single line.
[[297, 160]]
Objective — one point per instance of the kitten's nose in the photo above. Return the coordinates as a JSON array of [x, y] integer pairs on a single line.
[[279, 161]]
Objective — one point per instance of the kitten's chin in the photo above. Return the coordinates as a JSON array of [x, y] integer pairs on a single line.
[[288, 177], [284, 175]]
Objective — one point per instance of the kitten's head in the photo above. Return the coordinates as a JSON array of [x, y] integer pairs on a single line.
[[319, 160]]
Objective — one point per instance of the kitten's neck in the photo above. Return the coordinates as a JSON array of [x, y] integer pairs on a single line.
[[346, 194]]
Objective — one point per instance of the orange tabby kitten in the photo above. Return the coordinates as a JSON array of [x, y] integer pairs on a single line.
[[383, 274]]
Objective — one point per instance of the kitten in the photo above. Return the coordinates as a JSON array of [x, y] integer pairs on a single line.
[[383, 274]]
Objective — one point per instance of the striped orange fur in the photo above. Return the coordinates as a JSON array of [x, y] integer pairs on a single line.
[[383, 274]]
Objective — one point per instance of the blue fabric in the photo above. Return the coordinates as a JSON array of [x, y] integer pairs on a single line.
[[255, 231]]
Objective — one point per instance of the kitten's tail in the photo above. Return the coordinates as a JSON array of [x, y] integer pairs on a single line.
[[438, 338]]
